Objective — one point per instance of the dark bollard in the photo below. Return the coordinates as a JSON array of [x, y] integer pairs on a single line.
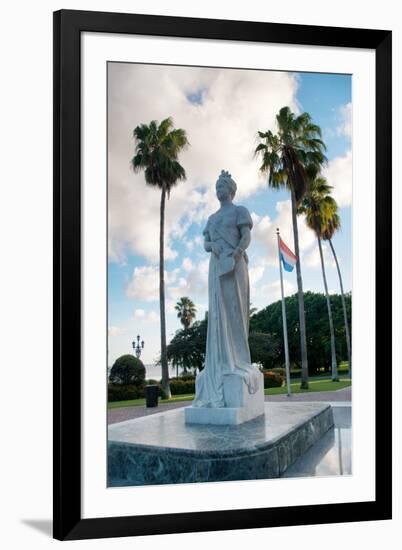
[[151, 395]]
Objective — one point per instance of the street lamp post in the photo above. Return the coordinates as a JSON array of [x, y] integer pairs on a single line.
[[138, 346]]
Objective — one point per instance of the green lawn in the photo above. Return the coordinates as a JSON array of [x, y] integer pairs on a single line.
[[314, 386], [137, 402]]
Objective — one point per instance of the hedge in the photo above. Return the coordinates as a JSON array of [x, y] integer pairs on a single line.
[[279, 370], [295, 373], [272, 380], [118, 392], [181, 387]]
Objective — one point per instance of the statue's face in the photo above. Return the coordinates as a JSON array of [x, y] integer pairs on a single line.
[[223, 191]]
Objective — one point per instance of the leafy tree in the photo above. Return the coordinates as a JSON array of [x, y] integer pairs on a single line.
[[319, 207], [285, 158], [127, 370], [157, 147], [264, 349], [186, 350], [334, 225], [252, 310], [186, 311], [269, 320]]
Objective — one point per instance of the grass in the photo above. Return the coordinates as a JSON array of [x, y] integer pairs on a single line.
[[314, 386], [138, 402]]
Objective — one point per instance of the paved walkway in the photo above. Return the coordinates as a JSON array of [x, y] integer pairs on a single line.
[[126, 413]]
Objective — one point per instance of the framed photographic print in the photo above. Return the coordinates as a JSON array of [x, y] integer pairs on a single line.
[[222, 270]]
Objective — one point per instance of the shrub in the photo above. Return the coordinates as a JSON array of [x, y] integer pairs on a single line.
[[119, 392], [187, 377], [184, 378], [272, 380], [279, 370], [295, 373], [181, 387], [343, 367], [127, 370]]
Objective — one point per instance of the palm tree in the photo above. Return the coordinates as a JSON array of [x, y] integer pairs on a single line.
[[186, 311], [333, 225], [319, 207], [157, 147], [285, 156]]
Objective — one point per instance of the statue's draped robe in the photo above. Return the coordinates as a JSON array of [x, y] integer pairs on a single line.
[[228, 311]]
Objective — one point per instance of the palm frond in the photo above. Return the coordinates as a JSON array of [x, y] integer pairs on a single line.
[[293, 156], [157, 147]]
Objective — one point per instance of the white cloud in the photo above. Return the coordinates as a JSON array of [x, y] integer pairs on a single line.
[[114, 331], [221, 132], [191, 281], [146, 316], [264, 231], [312, 259], [339, 175], [262, 228], [192, 284], [256, 273], [345, 127], [144, 284], [187, 264], [153, 317], [196, 242], [271, 292]]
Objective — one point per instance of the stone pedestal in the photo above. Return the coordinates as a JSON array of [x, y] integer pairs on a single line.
[[161, 448], [240, 405]]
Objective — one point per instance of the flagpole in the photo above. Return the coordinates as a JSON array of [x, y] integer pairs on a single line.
[[285, 326]]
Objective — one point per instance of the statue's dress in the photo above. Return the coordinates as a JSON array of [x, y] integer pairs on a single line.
[[228, 310]]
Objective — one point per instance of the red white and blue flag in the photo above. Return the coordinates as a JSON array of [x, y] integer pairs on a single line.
[[288, 258]]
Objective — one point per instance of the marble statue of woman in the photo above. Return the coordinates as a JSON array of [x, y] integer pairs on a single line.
[[226, 237]]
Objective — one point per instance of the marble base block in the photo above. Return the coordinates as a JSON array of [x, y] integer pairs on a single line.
[[162, 448], [240, 405]]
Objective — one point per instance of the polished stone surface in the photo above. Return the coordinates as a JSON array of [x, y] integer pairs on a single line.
[[332, 454], [163, 449]]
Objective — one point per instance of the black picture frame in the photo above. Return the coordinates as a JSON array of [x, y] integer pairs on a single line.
[[68, 26]]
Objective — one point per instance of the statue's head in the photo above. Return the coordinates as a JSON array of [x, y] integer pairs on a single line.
[[225, 186]]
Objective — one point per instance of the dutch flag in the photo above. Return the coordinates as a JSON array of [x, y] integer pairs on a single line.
[[288, 258]]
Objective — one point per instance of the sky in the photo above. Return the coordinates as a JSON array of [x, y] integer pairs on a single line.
[[221, 111]]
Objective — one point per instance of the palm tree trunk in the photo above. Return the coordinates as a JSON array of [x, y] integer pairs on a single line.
[[334, 366], [164, 362], [302, 318], [345, 317]]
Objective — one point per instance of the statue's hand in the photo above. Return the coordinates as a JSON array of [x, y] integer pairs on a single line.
[[237, 253]]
